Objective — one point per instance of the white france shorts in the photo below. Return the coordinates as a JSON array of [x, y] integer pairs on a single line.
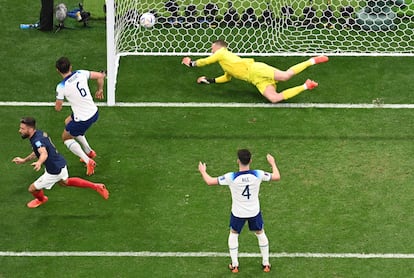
[[47, 181]]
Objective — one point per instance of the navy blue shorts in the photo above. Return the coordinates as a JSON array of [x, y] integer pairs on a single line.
[[79, 128], [255, 223]]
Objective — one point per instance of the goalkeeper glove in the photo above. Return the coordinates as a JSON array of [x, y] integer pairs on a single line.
[[188, 62], [206, 80]]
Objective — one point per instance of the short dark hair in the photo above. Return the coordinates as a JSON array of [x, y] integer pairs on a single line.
[[244, 156], [29, 121], [63, 65], [221, 43]]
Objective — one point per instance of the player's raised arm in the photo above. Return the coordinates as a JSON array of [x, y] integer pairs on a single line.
[[275, 170], [202, 167]]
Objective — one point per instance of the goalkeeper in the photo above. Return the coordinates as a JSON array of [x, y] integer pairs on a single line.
[[263, 76]]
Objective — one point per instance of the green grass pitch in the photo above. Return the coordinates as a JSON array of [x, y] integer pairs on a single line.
[[347, 179]]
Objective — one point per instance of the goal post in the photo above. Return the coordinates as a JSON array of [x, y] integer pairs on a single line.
[[112, 58], [258, 28]]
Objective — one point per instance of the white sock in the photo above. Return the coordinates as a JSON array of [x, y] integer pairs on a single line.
[[84, 143], [234, 248], [264, 247], [75, 148]]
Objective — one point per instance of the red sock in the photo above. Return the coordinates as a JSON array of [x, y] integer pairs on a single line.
[[38, 194], [78, 182]]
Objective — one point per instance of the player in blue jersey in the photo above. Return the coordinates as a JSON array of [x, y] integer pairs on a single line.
[[75, 89], [55, 165], [244, 187]]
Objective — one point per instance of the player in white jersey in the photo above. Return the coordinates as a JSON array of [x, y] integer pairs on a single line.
[[75, 89], [244, 187]]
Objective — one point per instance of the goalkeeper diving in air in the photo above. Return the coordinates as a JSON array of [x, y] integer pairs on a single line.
[[263, 76]]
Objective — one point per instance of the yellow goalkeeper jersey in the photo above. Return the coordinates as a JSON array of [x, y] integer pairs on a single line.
[[232, 65]]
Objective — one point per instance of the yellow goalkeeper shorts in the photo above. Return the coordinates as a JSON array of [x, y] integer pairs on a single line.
[[262, 75]]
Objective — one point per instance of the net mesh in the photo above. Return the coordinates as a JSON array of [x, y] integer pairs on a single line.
[[266, 27]]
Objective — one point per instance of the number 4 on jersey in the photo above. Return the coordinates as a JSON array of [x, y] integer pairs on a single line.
[[246, 192]]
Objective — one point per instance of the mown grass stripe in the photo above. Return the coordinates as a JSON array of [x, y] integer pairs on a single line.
[[230, 105], [202, 254]]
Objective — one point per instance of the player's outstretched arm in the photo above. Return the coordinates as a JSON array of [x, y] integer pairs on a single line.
[[19, 160], [202, 167], [275, 170]]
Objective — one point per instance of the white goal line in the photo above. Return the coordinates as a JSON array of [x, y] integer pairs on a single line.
[[229, 105], [203, 254]]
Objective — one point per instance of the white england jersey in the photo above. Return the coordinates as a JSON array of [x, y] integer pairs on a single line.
[[244, 187], [76, 91]]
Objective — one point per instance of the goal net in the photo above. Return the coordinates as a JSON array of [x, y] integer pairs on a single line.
[[259, 28]]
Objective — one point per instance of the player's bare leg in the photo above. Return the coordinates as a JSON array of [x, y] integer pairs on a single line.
[[85, 146], [74, 146], [270, 91], [76, 149], [274, 97], [81, 140], [298, 68], [271, 94], [68, 119], [281, 75]]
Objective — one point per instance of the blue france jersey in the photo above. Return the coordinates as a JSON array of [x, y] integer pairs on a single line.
[[244, 187], [55, 161]]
